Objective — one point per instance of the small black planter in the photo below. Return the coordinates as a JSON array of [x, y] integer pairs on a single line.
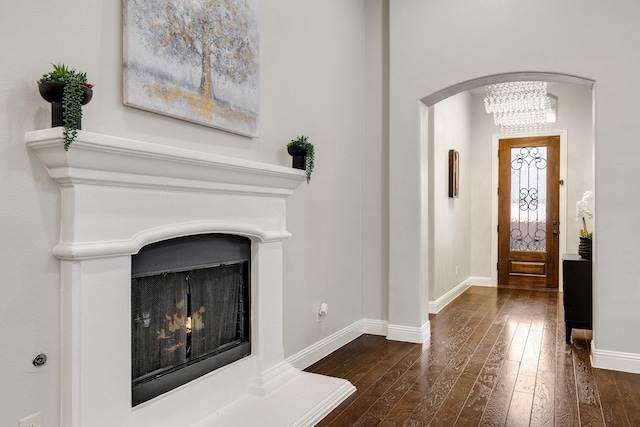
[[584, 247], [299, 154], [52, 92]]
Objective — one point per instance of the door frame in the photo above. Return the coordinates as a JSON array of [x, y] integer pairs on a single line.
[[495, 138]]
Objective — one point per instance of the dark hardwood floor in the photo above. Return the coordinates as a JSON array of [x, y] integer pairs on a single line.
[[497, 357]]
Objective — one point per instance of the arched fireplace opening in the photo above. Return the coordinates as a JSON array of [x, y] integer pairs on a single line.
[[190, 310]]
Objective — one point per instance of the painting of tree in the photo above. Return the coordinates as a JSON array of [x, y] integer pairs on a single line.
[[196, 60]]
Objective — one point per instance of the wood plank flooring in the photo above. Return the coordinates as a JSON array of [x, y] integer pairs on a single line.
[[497, 357]]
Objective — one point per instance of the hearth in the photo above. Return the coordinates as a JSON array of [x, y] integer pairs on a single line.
[[190, 307]]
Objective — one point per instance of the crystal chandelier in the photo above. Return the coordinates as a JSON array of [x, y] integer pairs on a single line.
[[518, 106]]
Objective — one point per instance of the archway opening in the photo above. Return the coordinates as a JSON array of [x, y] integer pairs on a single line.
[[449, 240]]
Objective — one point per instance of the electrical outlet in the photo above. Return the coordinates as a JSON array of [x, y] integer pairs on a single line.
[[456, 270], [323, 310], [31, 421]]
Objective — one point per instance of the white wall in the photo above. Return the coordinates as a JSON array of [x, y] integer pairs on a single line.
[[483, 128], [436, 44], [575, 116], [375, 220], [452, 217], [312, 67], [323, 259]]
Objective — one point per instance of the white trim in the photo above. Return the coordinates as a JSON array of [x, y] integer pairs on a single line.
[[114, 248], [615, 360], [310, 355], [100, 159], [409, 333], [271, 379], [444, 300], [375, 327], [481, 281], [618, 361], [494, 197]]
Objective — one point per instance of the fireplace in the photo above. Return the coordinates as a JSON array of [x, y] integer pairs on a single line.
[[190, 310], [120, 197]]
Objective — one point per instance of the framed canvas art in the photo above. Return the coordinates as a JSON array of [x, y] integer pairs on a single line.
[[454, 173], [194, 60]]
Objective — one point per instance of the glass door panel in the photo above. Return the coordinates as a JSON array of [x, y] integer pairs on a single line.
[[528, 199]]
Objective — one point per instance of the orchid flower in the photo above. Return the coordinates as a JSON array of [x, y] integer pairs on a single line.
[[583, 209]]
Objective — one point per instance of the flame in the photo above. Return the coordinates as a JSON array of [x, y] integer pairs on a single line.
[[198, 322], [177, 321]]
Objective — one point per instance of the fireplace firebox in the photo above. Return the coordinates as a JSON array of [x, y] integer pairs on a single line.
[[190, 310]]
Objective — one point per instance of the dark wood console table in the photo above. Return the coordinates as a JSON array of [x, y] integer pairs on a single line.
[[576, 274]]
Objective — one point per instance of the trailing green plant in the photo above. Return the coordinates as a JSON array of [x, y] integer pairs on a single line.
[[72, 97], [303, 141]]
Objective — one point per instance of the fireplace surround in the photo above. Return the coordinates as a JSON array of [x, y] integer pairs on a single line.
[[118, 195]]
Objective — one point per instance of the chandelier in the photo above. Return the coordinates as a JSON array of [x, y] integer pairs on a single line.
[[518, 106]]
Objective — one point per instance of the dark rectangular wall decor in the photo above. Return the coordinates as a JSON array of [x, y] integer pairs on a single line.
[[454, 173]]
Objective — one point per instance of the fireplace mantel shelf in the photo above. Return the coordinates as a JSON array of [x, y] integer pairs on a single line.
[[103, 159]]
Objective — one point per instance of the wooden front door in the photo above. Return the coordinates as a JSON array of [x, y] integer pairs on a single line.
[[528, 211]]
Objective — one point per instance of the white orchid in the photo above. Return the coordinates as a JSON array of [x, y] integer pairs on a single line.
[[583, 210]]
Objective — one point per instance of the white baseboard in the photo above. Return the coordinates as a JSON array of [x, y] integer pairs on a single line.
[[409, 333], [444, 300], [310, 355], [375, 327], [325, 346], [328, 345], [614, 360], [605, 359], [481, 281]]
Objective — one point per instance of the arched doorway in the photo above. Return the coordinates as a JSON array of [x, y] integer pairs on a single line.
[[585, 120], [412, 246]]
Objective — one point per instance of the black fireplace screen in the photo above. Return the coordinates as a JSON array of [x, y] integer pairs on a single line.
[[187, 323]]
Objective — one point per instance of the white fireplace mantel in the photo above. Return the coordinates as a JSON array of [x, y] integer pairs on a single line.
[[118, 195], [105, 162], [108, 160]]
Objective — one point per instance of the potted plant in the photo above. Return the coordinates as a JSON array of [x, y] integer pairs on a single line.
[[583, 211], [67, 90], [303, 154]]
